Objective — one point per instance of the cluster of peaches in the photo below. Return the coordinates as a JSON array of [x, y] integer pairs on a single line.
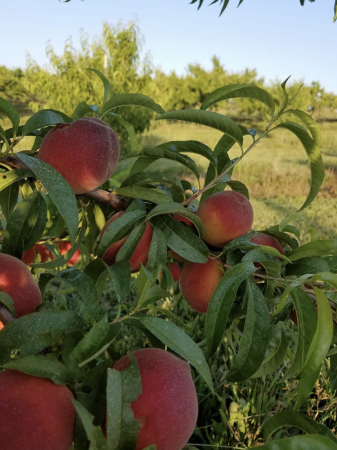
[[38, 414]]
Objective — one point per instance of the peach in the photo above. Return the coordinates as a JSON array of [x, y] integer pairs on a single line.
[[17, 281], [168, 406], [183, 219], [175, 255], [293, 316], [1, 326], [198, 282], [141, 253], [64, 247], [85, 152], [226, 216], [175, 271], [28, 256], [269, 241], [35, 413]]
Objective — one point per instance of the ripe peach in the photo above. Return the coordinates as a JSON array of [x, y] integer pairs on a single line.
[[175, 255], [226, 216], [198, 282], [141, 253], [168, 406], [35, 413], [175, 271], [85, 152], [183, 219], [28, 256], [1, 326], [293, 316], [269, 241], [17, 281], [64, 247]]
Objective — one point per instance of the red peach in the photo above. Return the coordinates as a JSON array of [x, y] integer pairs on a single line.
[[293, 316], [269, 241], [226, 216], [168, 406], [182, 219], [35, 413], [17, 281], [141, 253], [1, 326], [198, 282], [175, 271], [85, 152], [28, 256], [64, 247]]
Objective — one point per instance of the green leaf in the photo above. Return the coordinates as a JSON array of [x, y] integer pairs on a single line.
[[85, 288], [180, 343], [10, 111], [131, 99], [130, 130], [292, 420], [141, 164], [81, 110], [12, 176], [240, 91], [239, 242], [177, 208], [7, 300], [309, 122], [89, 352], [31, 333], [195, 147], [143, 178], [105, 82], [221, 303], [158, 252], [254, 340], [316, 248], [25, 225], [311, 442], [59, 190], [315, 158], [313, 264], [129, 246], [40, 366], [9, 199], [210, 119], [318, 349], [144, 282], [114, 408], [120, 274], [143, 193], [237, 186], [42, 119], [94, 434], [90, 341], [182, 240], [172, 155], [118, 229], [306, 326], [274, 360]]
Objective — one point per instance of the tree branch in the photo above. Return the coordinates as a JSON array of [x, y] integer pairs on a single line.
[[5, 315], [98, 195]]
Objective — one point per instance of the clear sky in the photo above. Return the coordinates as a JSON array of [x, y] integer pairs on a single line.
[[276, 37]]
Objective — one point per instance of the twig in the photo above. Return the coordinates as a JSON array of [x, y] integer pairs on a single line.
[[5, 315], [97, 195]]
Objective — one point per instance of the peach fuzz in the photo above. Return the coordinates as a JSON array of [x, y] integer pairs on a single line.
[[17, 281], [35, 413], [269, 241], [64, 247], [141, 253], [198, 281], [226, 216], [85, 152], [168, 406]]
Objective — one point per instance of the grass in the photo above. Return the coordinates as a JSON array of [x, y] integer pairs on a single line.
[[276, 172]]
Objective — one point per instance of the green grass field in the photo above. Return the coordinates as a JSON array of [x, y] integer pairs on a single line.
[[276, 173]]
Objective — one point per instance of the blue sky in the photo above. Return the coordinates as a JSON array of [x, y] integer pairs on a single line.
[[276, 37]]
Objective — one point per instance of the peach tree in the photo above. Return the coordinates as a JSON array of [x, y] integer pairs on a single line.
[[68, 219]]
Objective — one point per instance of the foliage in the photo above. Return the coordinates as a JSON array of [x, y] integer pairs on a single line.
[[247, 321]]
